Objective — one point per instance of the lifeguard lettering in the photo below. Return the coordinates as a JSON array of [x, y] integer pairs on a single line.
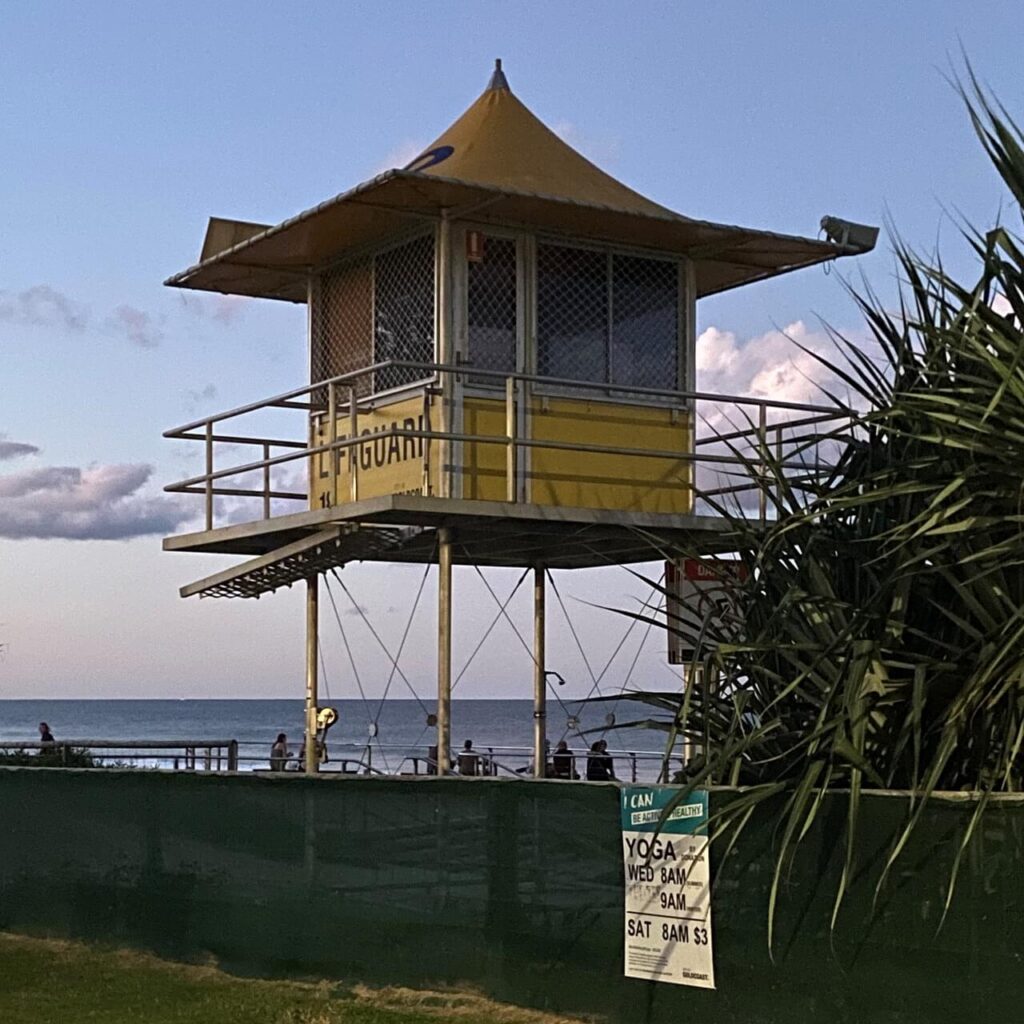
[[383, 449]]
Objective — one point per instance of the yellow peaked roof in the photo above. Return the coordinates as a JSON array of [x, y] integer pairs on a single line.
[[498, 142], [499, 164]]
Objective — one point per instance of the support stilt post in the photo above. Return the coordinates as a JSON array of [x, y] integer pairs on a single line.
[[444, 647], [312, 760], [692, 678], [540, 712]]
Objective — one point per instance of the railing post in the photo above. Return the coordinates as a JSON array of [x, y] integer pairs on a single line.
[[332, 437], [356, 450], [512, 449], [778, 447], [425, 441], [209, 473], [233, 756], [311, 440], [762, 447], [266, 482]]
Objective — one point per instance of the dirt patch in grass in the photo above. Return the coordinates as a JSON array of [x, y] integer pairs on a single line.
[[451, 1004]]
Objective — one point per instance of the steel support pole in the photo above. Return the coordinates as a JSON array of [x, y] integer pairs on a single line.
[[540, 712], [692, 679], [444, 647], [312, 763], [446, 354]]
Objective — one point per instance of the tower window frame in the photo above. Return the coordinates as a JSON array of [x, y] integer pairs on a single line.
[[611, 373]]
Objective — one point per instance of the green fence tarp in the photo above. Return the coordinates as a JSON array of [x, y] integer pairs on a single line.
[[512, 887]]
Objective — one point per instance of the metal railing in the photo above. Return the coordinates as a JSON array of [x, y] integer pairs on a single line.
[[724, 453], [199, 755], [187, 755]]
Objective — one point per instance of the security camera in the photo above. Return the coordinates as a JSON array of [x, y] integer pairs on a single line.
[[861, 237]]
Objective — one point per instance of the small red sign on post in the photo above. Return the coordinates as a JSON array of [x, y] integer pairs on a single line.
[[700, 592], [475, 246]]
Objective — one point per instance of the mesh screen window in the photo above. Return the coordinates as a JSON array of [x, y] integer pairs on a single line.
[[572, 313], [492, 309], [607, 318], [342, 325], [403, 311]]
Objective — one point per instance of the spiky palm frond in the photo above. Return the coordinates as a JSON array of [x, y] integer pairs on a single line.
[[882, 634]]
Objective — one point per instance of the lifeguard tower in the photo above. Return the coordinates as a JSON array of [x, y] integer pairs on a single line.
[[501, 345]]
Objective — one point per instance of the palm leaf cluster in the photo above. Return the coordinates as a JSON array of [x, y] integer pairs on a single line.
[[880, 635]]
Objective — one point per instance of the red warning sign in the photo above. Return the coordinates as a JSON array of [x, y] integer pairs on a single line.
[[702, 594]]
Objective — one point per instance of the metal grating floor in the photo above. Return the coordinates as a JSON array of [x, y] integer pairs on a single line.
[[318, 553]]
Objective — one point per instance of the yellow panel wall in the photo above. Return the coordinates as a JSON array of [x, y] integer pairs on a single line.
[[577, 479], [608, 481], [387, 465], [559, 477]]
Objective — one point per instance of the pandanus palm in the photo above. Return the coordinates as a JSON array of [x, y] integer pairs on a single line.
[[881, 640]]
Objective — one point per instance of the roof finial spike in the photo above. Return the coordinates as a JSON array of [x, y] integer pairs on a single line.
[[498, 79]]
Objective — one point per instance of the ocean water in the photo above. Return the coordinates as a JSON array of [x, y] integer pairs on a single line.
[[501, 726]]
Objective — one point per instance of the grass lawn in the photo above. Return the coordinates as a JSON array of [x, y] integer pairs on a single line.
[[48, 982]]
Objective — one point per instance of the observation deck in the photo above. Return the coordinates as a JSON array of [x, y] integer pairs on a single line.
[[383, 473]]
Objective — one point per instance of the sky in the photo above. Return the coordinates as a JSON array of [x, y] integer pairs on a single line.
[[124, 126]]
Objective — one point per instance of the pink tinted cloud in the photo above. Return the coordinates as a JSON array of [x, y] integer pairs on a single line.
[[95, 503]]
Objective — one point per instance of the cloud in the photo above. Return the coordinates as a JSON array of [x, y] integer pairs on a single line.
[[96, 503], [137, 326], [599, 150], [404, 153], [222, 309], [15, 449], [1002, 305], [788, 365], [43, 306], [201, 397]]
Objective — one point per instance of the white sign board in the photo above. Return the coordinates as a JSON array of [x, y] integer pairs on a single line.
[[701, 599], [668, 887]]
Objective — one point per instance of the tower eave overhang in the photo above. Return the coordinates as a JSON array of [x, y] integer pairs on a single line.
[[275, 263]]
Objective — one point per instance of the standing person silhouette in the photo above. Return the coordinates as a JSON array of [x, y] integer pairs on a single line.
[[600, 767], [279, 753], [45, 736]]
